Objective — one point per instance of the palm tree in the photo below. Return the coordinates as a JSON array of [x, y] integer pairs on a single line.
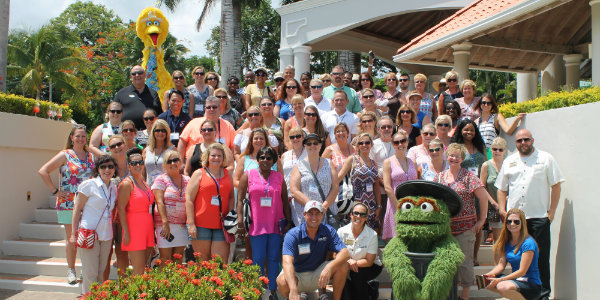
[[231, 32], [4, 15], [44, 57]]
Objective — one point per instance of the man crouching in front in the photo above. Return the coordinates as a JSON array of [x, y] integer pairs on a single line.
[[304, 251]]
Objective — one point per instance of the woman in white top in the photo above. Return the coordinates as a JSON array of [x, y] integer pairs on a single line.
[[362, 245], [96, 198], [255, 120], [99, 138], [158, 143]]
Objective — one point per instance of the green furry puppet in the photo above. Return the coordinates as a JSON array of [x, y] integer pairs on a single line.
[[423, 225]]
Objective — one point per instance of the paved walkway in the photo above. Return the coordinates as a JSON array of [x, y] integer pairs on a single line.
[[31, 295]]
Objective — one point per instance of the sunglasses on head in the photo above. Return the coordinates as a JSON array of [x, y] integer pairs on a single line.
[[359, 214], [106, 166], [398, 142], [516, 222], [134, 163], [137, 73], [113, 146], [173, 160]]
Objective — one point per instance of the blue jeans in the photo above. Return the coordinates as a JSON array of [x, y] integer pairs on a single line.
[[267, 246]]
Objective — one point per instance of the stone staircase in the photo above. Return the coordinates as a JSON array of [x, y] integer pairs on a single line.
[[35, 261]]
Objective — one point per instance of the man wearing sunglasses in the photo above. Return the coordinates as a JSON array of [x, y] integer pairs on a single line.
[[317, 99], [337, 84], [137, 97], [530, 180]]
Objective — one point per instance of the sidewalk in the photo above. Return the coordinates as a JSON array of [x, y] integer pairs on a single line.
[[33, 295]]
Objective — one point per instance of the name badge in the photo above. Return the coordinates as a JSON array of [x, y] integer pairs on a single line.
[[369, 187], [348, 241], [174, 136], [265, 201], [304, 249], [131, 96], [221, 140], [214, 201], [512, 164], [474, 171], [199, 107], [275, 127]]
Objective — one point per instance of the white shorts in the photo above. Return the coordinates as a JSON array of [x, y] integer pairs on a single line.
[[180, 233], [309, 281]]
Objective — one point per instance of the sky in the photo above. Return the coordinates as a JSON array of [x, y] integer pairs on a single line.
[[30, 15]]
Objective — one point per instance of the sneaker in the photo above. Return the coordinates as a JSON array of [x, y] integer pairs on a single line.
[[373, 289], [323, 297], [303, 296], [71, 276]]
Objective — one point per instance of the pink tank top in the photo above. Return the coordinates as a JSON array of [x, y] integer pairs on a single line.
[[265, 202]]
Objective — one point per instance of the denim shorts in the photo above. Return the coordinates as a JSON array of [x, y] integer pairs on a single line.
[[208, 234], [527, 289]]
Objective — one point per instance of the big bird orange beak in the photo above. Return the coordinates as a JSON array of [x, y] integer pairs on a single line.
[[153, 32]]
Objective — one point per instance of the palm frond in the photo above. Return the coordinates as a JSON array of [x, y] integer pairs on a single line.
[[208, 5]]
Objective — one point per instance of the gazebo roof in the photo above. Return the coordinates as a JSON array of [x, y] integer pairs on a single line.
[[506, 35]]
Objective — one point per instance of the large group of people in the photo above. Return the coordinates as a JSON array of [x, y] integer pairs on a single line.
[[283, 159]]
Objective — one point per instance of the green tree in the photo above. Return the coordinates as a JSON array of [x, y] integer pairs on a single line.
[[4, 15]]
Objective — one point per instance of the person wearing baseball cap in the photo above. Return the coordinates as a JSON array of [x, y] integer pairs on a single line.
[[414, 99], [258, 90], [305, 248]]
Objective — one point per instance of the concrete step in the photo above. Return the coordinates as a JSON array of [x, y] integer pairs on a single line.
[[38, 283], [46, 215], [41, 231], [52, 202], [35, 247], [31, 265]]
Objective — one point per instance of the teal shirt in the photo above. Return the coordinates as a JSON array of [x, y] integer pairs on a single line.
[[353, 104]]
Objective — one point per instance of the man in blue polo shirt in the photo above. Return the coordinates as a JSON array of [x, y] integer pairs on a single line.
[[337, 84], [304, 251]]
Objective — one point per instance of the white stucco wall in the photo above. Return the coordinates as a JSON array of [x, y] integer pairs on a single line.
[[26, 143], [570, 135]]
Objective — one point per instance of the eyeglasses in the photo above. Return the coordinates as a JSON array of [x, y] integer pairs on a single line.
[[261, 74], [326, 80], [233, 82], [207, 129], [211, 78], [367, 121], [149, 118], [428, 133], [406, 112], [104, 167], [115, 111], [359, 214], [134, 163], [386, 127], [366, 143], [291, 87], [526, 140], [452, 80], [316, 87], [250, 115], [211, 107], [129, 130], [137, 73], [498, 149], [265, 157], [222, 97], [160, 130], [438, 149], [178, 77], [199, 73], [267, 104], [368, 96], [391, 79], [443, 125], [337, 74], [278, 80], [313, 143], [398, 142], [293, 137], [113, 146], [173, 160], [364, 79], [486, 102], [314, 115], [516, 222], [419, 81]]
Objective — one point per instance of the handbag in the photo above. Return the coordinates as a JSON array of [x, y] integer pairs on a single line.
[[229, 238], [86, 238]]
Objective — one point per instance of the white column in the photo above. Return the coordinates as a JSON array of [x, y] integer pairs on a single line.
[[462, 56], [572, 65], [553, 76], [526, 86], [301, 60], [595, 53], [286, 58]]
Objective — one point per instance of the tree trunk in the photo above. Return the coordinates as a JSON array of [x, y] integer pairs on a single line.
[[229, 64], [4, 15], [237, 39], [349, 60]]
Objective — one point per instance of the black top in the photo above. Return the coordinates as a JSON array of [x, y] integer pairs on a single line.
[[412, 137], [176, 124], [134, 104], [196, 159]]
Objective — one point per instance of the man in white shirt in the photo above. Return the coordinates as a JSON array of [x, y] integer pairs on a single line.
[[317, 99], [340, 114], [530, 180]]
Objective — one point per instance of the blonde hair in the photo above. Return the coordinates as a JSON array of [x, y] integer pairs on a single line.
[[152, 140], [228, 105], [499, 142], [206, 153], [436, 142], [367, 114], [167, 156], [428, 125], [457, 147], [297, 98], [257, 109], [468, 82], [451, 74], [420, 76], [128, 123], [442, 118]]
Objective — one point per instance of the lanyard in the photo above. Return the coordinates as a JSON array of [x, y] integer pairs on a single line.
[[146, 191], [174, 124], [407, 166], [213, 178], [107, 197], [179, 189], [157, 158], [262, 180]]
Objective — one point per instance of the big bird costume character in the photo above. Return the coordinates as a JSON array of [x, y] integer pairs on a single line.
[[152, 28], [423, 226]]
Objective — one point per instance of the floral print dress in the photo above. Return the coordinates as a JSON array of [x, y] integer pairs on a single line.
[[72, 174], [364, 179]]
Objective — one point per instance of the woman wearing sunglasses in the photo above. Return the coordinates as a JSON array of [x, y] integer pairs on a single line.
[[452, 93], [75, 164], [367, 99], [188, 98], [212, 79], [200, 91], [393, 96], [297, 120], [364, 264], [134, 202], [129, 132], [314, 124], [283, 107], [489, 173], [405, 120], [420, 153], [491, 121], [158, 144], [296, 152], [364, 176], [517, 247], [396, 170], [208, 130], [96, 200], [436, 164], [142, 136], [169, 215], [367, 123], [255, 120], [443, 124], [228, 113], [100, 135], [258, 90]]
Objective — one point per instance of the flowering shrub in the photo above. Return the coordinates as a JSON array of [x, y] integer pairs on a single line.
[[16, 104], [552, 100], [197, 280]]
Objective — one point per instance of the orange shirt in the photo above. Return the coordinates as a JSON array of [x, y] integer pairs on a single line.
[[191, 134], [206, 215]]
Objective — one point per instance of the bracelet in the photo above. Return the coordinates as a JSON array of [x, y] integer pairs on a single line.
[[55, 191]]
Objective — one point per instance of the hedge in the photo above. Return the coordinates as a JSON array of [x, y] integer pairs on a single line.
[[15, 104], [552, 100]]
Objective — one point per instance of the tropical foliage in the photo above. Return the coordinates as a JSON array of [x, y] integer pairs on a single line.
[[16, 104], [552, 101]]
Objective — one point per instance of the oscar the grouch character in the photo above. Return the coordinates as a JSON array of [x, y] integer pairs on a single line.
[[423, 226]]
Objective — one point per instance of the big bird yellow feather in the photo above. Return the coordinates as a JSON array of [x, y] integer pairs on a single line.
[[152, 28]]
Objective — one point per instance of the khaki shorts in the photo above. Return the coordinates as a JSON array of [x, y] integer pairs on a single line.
[[309, 281], [466, 274]]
